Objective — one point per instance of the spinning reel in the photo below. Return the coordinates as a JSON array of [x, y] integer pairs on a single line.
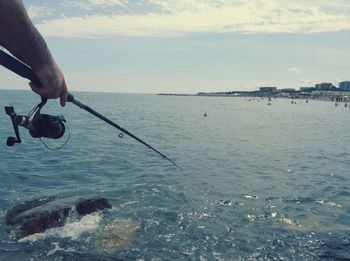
[[39, 125]]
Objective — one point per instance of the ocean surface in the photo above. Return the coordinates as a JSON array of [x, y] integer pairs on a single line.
[[257, 182]]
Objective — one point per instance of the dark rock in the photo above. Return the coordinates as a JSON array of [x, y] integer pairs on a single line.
[[38, 215]]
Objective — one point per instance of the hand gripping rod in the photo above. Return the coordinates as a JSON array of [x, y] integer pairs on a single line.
[[25, 71]]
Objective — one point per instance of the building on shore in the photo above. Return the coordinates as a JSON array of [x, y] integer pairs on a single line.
[[344, 86], [288, 90], [325, 86], [307, 89], [267, 89], [321, 91]]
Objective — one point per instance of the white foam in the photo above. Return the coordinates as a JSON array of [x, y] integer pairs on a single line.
[[72, 230], [328, 203], [54, 250], [3, 213], [129, 203], [251, 196]]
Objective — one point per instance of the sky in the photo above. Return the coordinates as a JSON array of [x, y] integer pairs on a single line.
[[190, 46]]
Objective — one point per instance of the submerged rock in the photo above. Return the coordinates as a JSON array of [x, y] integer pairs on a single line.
[[116, 236], [38, 215]]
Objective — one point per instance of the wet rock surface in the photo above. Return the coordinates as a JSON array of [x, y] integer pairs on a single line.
[[38, 215]]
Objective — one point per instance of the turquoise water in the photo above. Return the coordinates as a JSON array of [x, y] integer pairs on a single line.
[[258, 182]]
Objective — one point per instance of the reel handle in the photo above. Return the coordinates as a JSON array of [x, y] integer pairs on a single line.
[[10, 111], [11, 141]]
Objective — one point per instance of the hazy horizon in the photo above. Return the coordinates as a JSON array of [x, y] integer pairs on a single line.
[[191, 46]]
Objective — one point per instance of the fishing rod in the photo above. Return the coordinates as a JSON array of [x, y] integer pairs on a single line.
[[43, 125]]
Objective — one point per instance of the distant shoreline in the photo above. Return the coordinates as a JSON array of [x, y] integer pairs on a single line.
[[332, 96]]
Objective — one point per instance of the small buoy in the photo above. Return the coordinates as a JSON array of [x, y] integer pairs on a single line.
[[205, 114]]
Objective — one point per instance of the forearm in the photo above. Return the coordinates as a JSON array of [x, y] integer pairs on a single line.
[[19, 36], [22, 39]]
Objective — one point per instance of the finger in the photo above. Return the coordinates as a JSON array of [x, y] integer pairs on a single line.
[[44, 92], [63, 96], [35, 88]]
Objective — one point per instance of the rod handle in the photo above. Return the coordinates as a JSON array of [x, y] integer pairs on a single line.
[[18, 67], [70, 97]]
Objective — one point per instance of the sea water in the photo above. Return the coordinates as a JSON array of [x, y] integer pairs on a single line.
[[258, 182]]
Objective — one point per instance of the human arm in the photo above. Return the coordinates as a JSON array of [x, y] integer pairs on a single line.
[[19, 36]]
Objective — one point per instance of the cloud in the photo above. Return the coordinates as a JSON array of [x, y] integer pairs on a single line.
[[38, 11], [309, 82], [107, 2], [294, 70], [167, 18]]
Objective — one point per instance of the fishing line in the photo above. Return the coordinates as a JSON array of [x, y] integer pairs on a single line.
[[60, 147]]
